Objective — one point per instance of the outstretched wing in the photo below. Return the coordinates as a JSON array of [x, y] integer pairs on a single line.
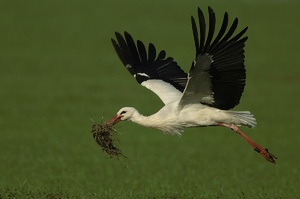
[[217, 76], [159, 74]]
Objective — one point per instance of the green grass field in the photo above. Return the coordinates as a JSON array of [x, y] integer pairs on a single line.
[[59, 71]]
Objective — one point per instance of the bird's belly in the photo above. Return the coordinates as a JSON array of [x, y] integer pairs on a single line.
[[195, 116]]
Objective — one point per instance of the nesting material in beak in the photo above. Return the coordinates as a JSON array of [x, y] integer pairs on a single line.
[[105, 136]]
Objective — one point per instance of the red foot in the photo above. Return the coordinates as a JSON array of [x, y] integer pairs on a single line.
[[266, 154]]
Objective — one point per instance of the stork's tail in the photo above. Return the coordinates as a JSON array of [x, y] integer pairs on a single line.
[[246, 118]]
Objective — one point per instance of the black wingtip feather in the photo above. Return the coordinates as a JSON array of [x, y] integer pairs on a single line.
[[211, 29], [119, 52], [195, 34], [231, 30], [227, 69], [202, 25], [222, 29], [146, 65], [142, 52]]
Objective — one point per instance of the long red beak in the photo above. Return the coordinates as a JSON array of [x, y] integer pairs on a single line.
[[114, 120]]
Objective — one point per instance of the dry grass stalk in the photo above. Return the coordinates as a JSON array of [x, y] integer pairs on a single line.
[[105, 136]]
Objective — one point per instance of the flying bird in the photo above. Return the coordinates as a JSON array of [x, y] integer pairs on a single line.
[[202, 97]]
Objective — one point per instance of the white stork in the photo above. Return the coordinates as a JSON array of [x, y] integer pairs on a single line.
[[203, 97]]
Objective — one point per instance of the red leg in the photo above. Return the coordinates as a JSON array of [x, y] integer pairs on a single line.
[[264, 152]]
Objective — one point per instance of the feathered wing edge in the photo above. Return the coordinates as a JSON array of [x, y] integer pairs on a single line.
[[146, 65], [227, 69]]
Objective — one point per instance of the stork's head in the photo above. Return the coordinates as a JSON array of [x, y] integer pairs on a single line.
[[125, 113]]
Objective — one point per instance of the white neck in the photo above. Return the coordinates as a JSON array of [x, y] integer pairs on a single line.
[[156, 122], [142, 120]]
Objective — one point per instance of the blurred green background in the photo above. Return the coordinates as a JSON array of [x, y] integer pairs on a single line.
[[59, 71]]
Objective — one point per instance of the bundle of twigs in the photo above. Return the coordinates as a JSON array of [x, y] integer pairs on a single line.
[[105, 136]]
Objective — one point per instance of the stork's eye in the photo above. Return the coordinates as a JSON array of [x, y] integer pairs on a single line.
[[123, 112]]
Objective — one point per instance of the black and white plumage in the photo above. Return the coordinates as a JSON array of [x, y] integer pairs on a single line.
[[202, 97]]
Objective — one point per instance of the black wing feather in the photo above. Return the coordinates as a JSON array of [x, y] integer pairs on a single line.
[[202, 26], [222, 31], [142, 52], [195, 34], [227, 69], [211, 30], [144, 66], [151, 54]]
